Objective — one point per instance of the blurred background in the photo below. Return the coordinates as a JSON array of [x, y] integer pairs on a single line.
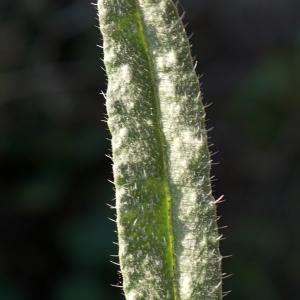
[[55, 236]]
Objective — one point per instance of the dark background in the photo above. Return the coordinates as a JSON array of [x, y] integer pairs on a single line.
[[55, 236]]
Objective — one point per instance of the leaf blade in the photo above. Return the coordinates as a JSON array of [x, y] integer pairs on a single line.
[[166, 214]]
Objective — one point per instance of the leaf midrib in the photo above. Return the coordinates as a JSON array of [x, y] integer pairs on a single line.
[[162, 146]]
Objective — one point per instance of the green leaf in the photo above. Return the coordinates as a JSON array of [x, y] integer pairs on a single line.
[[166, 214]]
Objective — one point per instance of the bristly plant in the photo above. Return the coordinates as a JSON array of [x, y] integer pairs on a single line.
[[166, 214]]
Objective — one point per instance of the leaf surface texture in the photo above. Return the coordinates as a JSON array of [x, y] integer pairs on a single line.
[[166, 214]]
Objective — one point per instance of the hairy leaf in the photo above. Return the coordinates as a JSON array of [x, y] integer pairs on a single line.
[[166, 214]]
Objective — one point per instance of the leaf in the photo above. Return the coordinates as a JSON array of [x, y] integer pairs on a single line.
[[166, 214]]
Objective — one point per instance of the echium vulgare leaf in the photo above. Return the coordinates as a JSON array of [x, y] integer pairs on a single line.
[[166, 214]]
